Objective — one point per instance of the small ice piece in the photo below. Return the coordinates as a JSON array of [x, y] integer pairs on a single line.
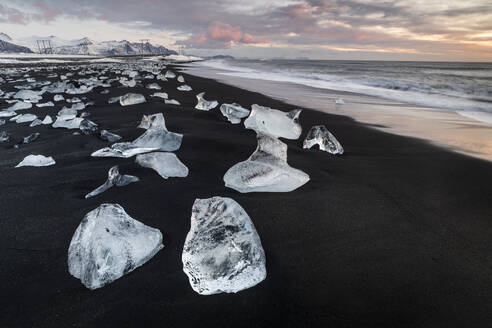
[[108, 244], [29, 95], [113, 100], [47, 120], [165, 164], [36, 160], [88, 127], [222, 251], [46, 104], [154, 119], [30, 138], [153, 86], [2, 122], [78, 106], [184, 87], [114, 179], [131, 99], [170, 75], [274, 122], [181, 79], [68, 124], [339, 101], [58, 98], [162, 95], [205, 104], [234, 112], [23, 118], [156, 138], [19, 106], [4, 136], [108, 136], [36, 122], [66, 113], [266, 170], [172, 102], [319, 135], [74, 100], [7, 113]]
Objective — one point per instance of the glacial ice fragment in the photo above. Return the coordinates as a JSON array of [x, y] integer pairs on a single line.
[[7, 113], [131, 99], [165, 164], [108, 136], [222, 251], [36, 122], [205, 104], [170, 75], [184, 87], [108, 244], [46, 104], [114, 179], [2, 122], [172, 102], [339, 101], [19, 106], [153, 86], [181, 79], [234, 112], [30, 138], [266, 170], [88, 127], [29, 95], [23, 118], [47, 120], [113, 100], [162, 95], [156, 138], [67, 124], [4, 136], [319, 135], [36, 160], [274, 122], [58, 98]]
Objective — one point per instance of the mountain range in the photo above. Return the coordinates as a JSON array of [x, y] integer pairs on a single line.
[[84, 46]]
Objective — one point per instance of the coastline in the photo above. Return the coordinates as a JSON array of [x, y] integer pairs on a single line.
[[394, 233], [446, 128]]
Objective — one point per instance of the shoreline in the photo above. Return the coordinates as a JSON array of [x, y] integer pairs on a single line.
[[394, 233], [442, 127]]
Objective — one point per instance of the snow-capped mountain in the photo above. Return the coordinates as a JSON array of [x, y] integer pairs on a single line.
[[86, 46], [8, 45]]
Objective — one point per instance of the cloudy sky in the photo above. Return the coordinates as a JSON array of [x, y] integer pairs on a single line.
[[320, 29]]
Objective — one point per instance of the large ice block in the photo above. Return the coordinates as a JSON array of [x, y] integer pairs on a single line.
[[274, 122], [165, 164], [319, 135]]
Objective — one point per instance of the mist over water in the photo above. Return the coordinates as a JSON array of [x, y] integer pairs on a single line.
[[447, 85]]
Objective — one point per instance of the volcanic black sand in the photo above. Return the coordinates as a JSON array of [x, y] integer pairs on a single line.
[[394, 233]]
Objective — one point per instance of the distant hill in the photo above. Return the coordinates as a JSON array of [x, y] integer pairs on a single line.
[[6, 45]]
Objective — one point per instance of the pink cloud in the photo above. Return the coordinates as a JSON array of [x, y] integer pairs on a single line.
[[47, 13], [221, 35], [12, 15]]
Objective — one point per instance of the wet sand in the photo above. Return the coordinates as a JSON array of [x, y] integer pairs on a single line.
[[394, 233]]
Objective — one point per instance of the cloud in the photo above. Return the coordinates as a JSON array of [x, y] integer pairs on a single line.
[[12, 15]]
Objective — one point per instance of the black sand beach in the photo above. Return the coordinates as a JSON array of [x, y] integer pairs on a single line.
[[394, 233]]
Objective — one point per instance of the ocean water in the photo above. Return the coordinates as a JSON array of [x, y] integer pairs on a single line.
[[462, 87]]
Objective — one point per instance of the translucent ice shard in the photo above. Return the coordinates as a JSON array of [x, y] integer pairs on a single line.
[[162, 95], [205, 104], [222, 251], [172, 102], [153, 86], [131, 99], [165, 164], [184, 87], [274, 122], [234, 112], [23, 118], [113, 100], [58, 98], [2, 122], [30, 138], [156, 138], [88, 127], [108, 244], [170, 75], [29, 95], [47, 120], [19, 106], [108, 136], [181, 79], [7, 113], [36, 122], [319, 135], [68, 124], [4, 136], [265, 170], [46, 104], [339, 101], [114, 179], [36, 160]]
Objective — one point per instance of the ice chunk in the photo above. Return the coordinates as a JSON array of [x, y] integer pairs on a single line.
[[184, 87], [222, 251], [165, 164], [114, 179], [68, 124], [58, 98], [108, 244], [153, 86], [157, 137], [170, 75], [234, 112], [36, 160], [319, 135], [131, 99], [108, 136], [4, 136], [36, 122], [205, 104], [88, 127], [339, 101], [19, 106], [162, 95], [2, 122], [47, 120], [66, 113], [7, 113], [29, 95], [113, 100], [46, 104], [30, 138], [265, 170], [156, 120], [172, 102], [274, 122], [181, 79], [23, 118]]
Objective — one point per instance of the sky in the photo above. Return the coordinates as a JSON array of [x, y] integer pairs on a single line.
[[444, 30]]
